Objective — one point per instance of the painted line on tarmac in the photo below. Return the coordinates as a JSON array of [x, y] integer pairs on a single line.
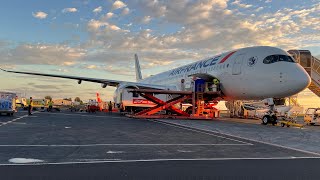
[[95, 145], [21, 123], [13, 120], [239, 137], [197, 130], [155, 160], [84, 115]]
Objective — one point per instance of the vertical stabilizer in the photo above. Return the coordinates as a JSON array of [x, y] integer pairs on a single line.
[[138, 69], [98, 98]]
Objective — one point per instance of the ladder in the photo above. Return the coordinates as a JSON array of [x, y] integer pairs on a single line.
[[200, 104]]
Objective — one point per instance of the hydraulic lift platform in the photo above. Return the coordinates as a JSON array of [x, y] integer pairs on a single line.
[[175, 113]]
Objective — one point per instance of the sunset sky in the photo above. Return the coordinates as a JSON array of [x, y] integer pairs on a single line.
[[98, 38]]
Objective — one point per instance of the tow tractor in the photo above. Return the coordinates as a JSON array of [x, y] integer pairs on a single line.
[[312, 116]]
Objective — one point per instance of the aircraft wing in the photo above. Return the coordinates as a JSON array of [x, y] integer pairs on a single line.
[[107, 82]]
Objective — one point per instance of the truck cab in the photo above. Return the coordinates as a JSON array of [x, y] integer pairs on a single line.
[[312, 116]]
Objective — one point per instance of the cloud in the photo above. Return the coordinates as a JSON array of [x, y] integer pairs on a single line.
[[91, 67], [44, 87], [40, 15], [268, 1], [102, 27], [146, 19], [97, 10], [118, 5], [259, 9], [69, 10], [238, 3], [114, 27], [42, 54], [125, 11], [202, 33], [108, 15], [94, 25]]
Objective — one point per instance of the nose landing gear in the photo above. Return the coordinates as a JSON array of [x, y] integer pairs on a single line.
[[269, 118]]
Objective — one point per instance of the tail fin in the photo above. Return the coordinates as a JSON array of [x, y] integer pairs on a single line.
[[138, 69], [98, 98]]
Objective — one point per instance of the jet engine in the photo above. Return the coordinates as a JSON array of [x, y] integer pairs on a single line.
[[103, 85]]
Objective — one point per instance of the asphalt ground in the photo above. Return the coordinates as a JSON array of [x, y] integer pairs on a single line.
[[108, 146]]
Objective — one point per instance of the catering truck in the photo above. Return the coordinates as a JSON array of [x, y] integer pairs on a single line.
[[7, 103]]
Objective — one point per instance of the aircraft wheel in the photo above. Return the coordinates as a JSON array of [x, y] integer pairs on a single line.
[[265, 120], [312, 124]]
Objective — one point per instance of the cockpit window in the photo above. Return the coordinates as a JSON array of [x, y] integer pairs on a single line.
[[275, 58]]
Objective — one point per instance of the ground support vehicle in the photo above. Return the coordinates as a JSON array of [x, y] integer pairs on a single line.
[[290, 122], [312, 116], [7, 103]]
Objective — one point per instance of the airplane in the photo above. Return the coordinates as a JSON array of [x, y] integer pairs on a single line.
[[251, 73]]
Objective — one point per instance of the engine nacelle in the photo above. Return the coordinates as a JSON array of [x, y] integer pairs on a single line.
[[79, 82], [103, 85]]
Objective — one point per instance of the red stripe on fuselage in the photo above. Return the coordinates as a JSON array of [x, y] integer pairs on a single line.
[[227, 56]]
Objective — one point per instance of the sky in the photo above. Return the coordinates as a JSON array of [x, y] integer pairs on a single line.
[[98, 38]]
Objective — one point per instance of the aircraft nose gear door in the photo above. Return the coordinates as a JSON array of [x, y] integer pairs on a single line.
[[236, 69]]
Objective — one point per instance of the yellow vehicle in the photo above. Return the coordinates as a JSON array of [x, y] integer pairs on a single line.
[[312, 116], [39, 103]]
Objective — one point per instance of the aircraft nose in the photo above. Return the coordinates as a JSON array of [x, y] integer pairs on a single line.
[[301, 80]]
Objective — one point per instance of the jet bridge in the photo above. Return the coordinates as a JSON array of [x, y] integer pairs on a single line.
[[312, 65]]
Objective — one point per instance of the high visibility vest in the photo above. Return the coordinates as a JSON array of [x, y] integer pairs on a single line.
[[50, 103], [29, 102], [215, 81]]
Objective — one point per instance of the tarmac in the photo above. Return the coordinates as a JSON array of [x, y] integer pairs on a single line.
[[65, 145]]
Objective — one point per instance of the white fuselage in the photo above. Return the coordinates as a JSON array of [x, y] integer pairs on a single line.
[[243, 74]]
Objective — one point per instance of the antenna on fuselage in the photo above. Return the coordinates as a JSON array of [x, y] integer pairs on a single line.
[[137, 68]]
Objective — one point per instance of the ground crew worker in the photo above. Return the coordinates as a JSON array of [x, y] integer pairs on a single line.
[[50, 103], [30, 104], [216, 83], [110, 107], [43, 104], [182, 85]]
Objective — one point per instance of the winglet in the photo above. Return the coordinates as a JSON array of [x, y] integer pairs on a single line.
[[138, 69]]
